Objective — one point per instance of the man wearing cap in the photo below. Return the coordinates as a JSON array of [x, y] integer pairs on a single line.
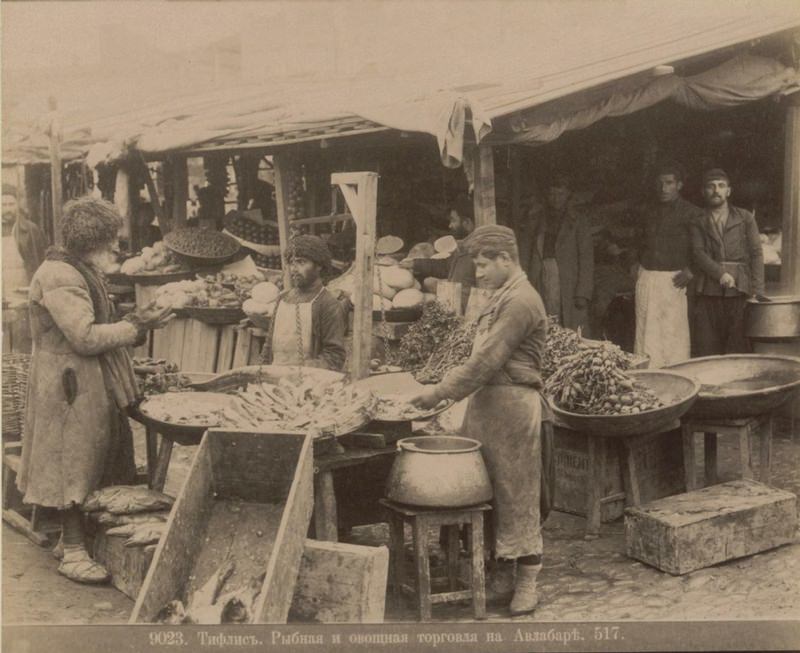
[[503, 379], [308, 324], [664, 236], [24, 244], [458, 267], [556, 251], [726, 249]]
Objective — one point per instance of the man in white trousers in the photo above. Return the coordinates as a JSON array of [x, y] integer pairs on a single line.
[[665, 275]]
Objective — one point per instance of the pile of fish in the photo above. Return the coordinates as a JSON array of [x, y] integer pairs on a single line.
[[293, 404], [132, 511], [208, 606]]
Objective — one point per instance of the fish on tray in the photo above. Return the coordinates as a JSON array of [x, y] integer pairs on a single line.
[[112, 519], [147, 533], [127, 499]]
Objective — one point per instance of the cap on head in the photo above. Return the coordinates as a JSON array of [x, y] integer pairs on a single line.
[[715, 174]]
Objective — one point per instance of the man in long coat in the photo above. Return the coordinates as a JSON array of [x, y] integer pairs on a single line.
[[556, 251]]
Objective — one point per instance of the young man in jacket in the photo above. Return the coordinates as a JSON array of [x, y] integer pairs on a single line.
[[308, 324], [726, 249], [24, 244]]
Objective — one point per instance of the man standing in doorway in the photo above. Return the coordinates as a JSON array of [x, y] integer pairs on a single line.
[[664, 235], [726, 249], [23, 247], [558, 255]]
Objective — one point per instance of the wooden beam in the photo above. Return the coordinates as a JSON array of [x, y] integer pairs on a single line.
[[360, 191], [122, 199], [280, 166], [180, 191], [790, 252], [56, 191], [483, 196], [151, 190], [516, 188]]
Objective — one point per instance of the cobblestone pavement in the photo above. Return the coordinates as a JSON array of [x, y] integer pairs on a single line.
[[581, 580]]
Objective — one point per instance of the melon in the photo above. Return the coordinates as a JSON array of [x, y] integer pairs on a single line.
[[429, 284], [421, 250], [379, 302], [389, 245], [394, 277], [265, 292], [408, 298], [445, 245], [255, 307]]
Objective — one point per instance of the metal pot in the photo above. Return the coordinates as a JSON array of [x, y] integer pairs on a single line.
[[779, 318], [439, 471]]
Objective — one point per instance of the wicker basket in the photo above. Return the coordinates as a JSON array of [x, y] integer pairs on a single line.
[[15, 393]]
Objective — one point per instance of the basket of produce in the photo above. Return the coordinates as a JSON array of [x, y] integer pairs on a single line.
[[155, 265], [201, 246], [396, 294], [398, 314], [593, 392], [15, 393]]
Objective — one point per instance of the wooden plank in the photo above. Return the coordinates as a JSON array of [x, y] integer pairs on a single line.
[[484, 195], [280, 167], [423, 567], [689, 458], [180, 192], [254, 351], [241, 353], [176, 551], [168, 343], [478, 575], [127, 565], [326, 523], [448, 293], [155, 201], [227, 348], [323, 219], [710, 458], [341, 583], [790, 252], [690, 531], [201, 343], [18, 522], [363, 207]]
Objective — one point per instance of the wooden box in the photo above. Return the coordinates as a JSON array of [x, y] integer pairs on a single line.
[[341, 583], [572, 476], [658, 459], [248, 496], [127, 565], [697, 529]]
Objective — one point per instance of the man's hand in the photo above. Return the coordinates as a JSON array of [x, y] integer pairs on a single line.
[[581, 303], [153, 317], [727, 281], [682, 279], [425, 399]]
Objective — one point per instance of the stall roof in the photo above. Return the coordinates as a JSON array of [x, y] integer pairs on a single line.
[[632, 40]]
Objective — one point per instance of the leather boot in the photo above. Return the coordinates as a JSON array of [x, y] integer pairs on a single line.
[[525, 597], [501, 581]]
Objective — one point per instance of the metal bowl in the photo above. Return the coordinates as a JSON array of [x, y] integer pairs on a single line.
[[740, 385], [677, 391], [776, 319]]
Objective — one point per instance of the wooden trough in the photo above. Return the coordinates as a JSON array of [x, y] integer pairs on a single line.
[[248, 497]]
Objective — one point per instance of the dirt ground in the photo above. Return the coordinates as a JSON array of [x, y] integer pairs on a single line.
[[581, 581]]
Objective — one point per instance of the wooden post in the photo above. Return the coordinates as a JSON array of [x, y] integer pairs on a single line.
[[180, 191], [790, 253], [281, 170], [54, 133], [516, 188], [122, 199], [360, 190], [483, 195]]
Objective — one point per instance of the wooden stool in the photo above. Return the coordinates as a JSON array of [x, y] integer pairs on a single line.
[[422, 520], [743, 429]]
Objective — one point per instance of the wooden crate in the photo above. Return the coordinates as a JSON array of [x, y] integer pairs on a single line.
[[341, 583], [572, 474], [249, 495], [127, 565], [658, 461], [697, 529]]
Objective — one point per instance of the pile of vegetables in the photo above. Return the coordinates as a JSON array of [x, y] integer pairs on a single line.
[[153, 260], [454, 350], [223, 290], [246, 229], [158, 376], [425, 336], [561, 343], [593, 382], [262, 300], [395, 287]]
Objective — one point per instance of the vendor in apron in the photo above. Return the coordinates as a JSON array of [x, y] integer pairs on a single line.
[[506, 409], [308, 324]]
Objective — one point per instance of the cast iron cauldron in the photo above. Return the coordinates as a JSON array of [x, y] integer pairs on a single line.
[[439, 471]]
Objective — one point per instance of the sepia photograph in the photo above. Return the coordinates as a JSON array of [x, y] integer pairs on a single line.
[[400, 325]]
